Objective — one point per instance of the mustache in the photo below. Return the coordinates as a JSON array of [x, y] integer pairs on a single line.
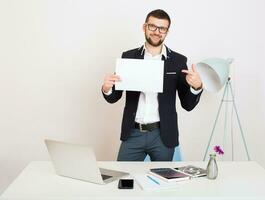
[[156, 35]]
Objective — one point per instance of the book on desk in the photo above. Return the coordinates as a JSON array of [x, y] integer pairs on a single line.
[[169, 174]]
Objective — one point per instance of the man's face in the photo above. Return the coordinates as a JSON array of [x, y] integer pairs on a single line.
[[155, 31]]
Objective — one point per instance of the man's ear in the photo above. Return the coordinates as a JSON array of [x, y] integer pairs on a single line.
[[167, 32], [144, 25]]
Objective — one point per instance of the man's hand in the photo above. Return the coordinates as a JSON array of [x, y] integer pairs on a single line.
[[109, 81], [193, 77]]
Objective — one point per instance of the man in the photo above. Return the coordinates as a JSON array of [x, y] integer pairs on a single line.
[[149, 124]]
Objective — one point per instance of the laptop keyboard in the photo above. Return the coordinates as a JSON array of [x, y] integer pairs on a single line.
[[104, 177]]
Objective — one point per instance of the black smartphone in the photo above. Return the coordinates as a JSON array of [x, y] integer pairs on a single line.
[[125, 184]]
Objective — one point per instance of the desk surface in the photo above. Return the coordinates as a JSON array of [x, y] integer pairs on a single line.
[[236, 180]]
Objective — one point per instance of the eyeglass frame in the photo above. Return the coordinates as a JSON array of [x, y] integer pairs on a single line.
[[157, 27]]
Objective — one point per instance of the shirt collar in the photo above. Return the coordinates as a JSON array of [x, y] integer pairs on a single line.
[[163, 52]]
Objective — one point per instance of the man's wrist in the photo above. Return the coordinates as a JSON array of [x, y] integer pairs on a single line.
[[198, 88], [108, 92], [196, 91]]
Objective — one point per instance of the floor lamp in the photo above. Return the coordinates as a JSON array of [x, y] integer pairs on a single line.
[[214, 73]]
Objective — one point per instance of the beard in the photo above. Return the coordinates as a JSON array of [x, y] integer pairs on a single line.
[[151, 42]]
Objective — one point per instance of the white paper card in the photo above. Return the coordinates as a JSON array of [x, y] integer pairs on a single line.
[[140, 75], [146, 183]]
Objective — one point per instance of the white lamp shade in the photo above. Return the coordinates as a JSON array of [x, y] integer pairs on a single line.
[[214, 73]]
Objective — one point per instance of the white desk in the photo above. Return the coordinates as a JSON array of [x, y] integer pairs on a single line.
[[236, 180]]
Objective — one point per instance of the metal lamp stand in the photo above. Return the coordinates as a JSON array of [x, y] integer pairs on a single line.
[[228, 88]]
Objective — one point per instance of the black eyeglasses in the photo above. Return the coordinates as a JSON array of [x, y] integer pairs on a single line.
[[152, 27]]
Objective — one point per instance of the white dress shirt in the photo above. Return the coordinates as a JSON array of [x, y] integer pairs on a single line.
[[147, 110]]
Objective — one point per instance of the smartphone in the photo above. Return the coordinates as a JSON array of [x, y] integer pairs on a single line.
[[125, 184]]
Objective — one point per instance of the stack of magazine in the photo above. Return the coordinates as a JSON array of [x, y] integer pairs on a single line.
[[167, 178], [178, 173]]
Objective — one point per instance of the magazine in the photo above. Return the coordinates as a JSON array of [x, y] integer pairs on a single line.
[[192, 171]]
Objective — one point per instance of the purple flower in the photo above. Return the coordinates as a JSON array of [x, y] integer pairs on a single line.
[[218, 150]]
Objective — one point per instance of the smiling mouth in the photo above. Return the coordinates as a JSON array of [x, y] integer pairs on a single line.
[[156, 37]]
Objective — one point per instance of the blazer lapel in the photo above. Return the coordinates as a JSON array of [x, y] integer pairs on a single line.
[[140, 53], [166, 65]]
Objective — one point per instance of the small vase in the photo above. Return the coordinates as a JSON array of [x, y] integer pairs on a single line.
[[212, 169]]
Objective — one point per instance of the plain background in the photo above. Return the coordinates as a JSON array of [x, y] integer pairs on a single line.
[[54, 55]]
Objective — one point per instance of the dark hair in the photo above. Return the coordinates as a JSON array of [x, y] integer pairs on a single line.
[[160, 14]]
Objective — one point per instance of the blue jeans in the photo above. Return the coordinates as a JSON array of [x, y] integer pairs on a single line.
[[140, 144]]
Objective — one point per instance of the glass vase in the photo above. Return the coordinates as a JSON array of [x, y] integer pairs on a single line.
[[212, 169]]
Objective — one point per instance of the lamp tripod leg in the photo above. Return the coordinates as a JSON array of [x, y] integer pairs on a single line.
[[226, 96], [215, 122], [238, 120]]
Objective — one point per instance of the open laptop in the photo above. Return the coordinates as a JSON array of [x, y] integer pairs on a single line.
[[79, 162]]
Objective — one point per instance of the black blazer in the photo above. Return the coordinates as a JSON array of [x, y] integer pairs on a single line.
[[166, 101]]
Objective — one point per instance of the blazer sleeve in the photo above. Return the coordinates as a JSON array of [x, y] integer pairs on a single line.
[[115, 95], [188, 100]]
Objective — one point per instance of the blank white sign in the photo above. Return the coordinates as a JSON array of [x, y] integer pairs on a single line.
[[140, 75]]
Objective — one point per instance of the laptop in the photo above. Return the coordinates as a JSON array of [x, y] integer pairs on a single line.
[[79, 162]]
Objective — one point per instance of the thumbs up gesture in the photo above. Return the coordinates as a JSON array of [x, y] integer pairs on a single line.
[[193, 77]]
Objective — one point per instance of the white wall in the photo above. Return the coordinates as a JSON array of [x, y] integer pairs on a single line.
[[55, 53]]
